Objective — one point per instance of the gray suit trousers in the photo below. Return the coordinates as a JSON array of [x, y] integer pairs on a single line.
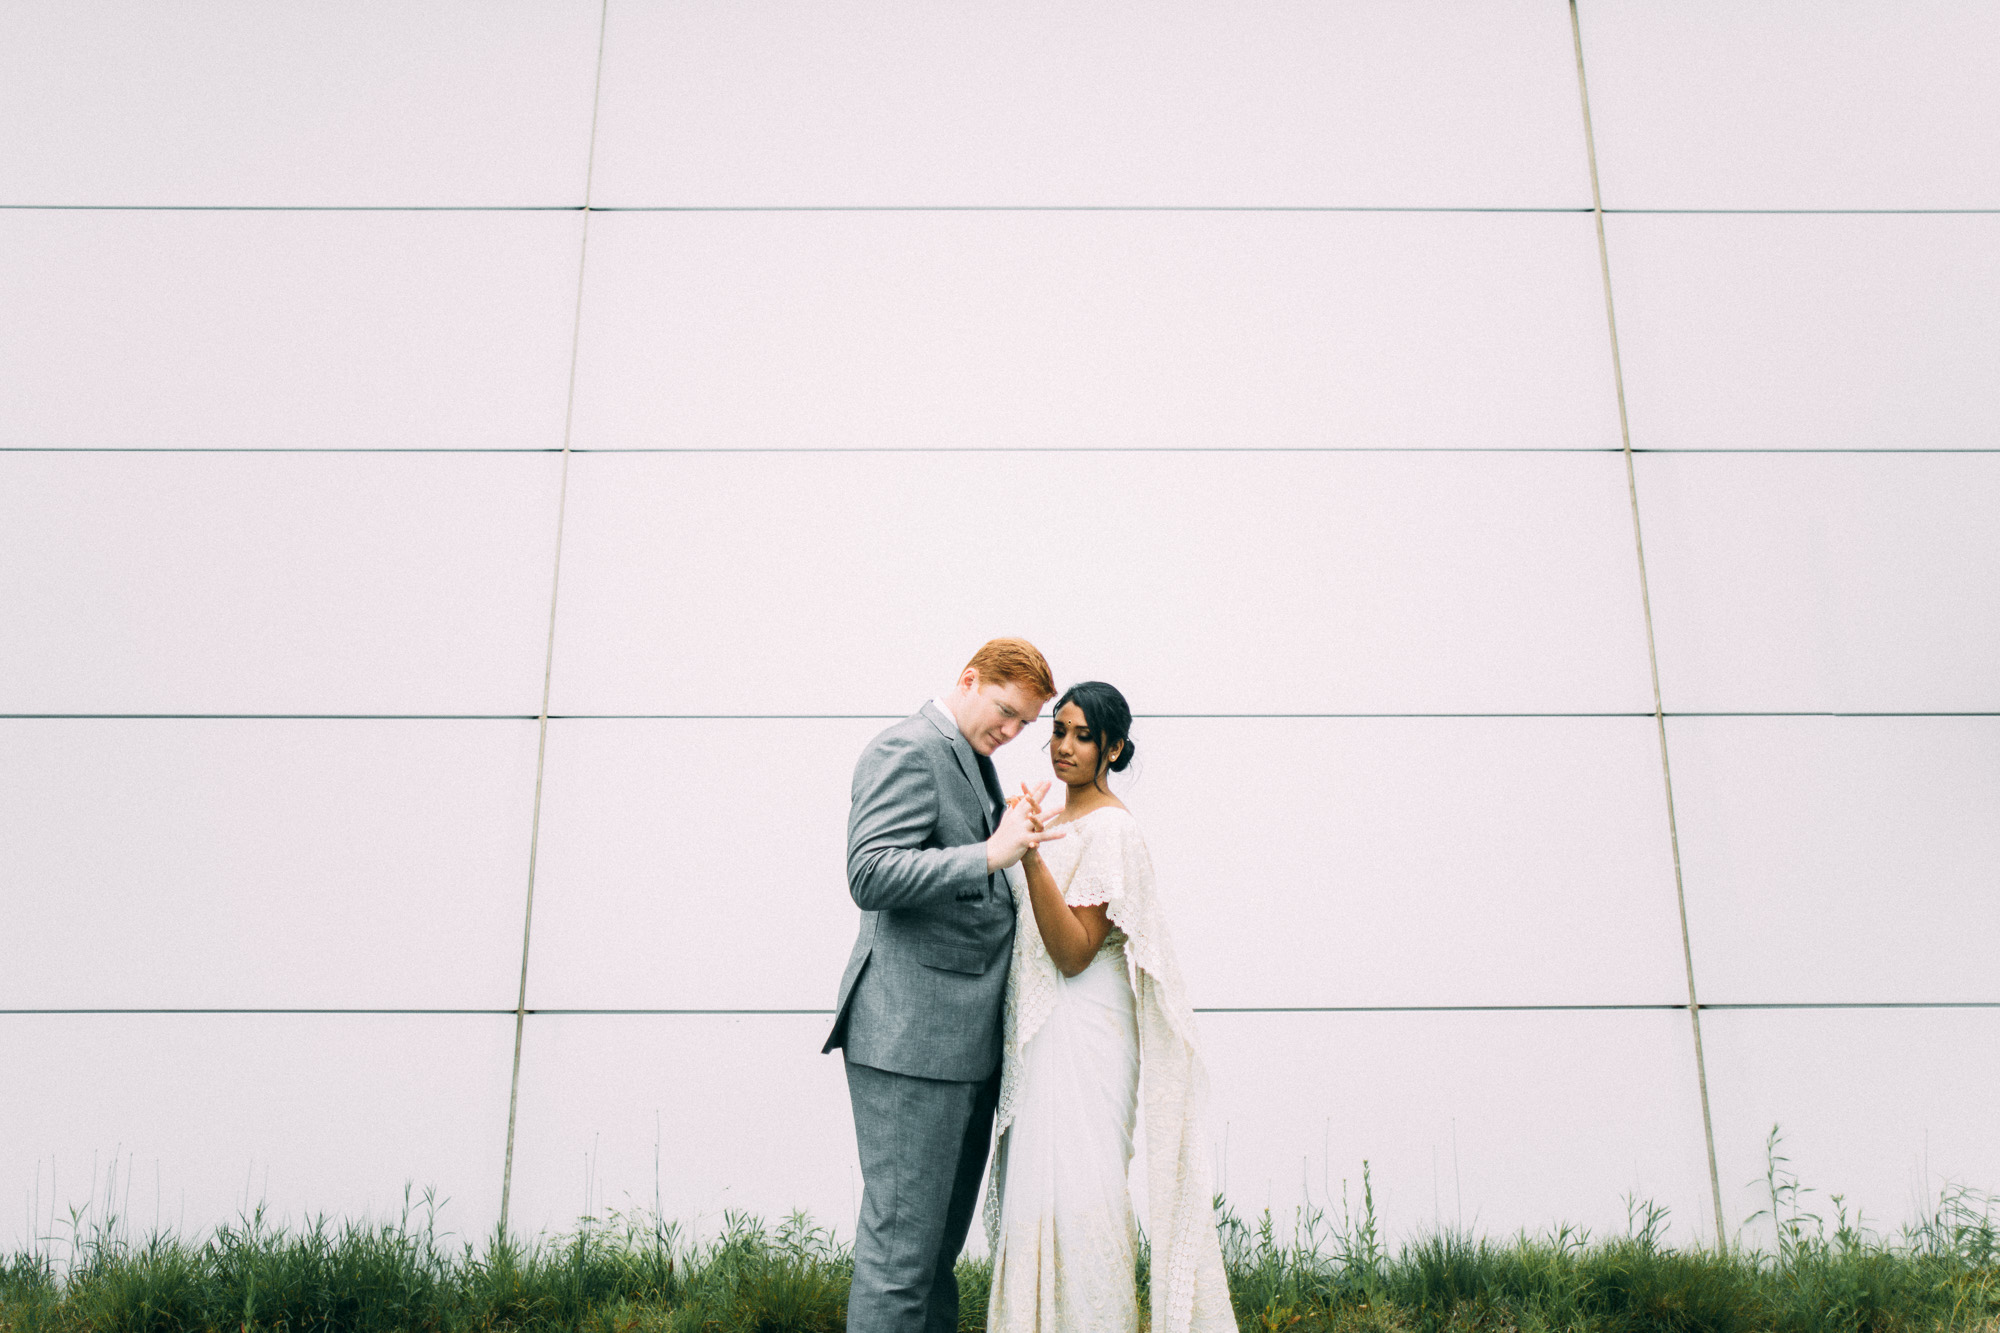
[[923, 1149]]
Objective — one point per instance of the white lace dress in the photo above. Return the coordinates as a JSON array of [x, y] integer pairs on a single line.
[[1084, 1055]]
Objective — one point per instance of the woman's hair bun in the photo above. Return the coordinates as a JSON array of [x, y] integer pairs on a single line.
[[1125, 754]]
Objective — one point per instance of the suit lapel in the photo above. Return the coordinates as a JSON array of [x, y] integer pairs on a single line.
[[994, 802], [968, 765], [968, 769]]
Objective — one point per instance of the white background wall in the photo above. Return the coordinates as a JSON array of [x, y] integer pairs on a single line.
[[1252, 357]]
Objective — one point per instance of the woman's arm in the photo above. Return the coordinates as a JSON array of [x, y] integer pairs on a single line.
[[1072, 934]]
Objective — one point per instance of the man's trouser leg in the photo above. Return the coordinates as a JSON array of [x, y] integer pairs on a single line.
[[923, 1146], [965, 1196]]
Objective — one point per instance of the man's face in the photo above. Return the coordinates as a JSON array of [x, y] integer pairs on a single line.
[[990, 715]]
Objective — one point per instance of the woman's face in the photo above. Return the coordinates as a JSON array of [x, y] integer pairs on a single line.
[[1073, 748]]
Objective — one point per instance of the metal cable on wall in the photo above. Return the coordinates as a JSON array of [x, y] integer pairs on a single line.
[[549, 658], [1652, 651]]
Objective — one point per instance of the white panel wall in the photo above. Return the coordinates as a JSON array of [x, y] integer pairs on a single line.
[[700, 1113], [1250, 358], [268, 863], [694, 863], [1489, 1121], [229, 102], [1794, 104], [1782, 331], [313, 583], [311, 1114], [1207, 582], [1882, 1106], [1107, 330], [1826, 855], [662, 887], [1834, 582], [1270, 103], [1414, 861], [286, 330]]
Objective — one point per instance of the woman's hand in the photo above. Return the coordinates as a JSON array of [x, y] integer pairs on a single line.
[[1071, 935], [1033, 800]]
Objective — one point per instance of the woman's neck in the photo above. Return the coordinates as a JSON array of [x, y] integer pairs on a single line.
[[1084, 797]]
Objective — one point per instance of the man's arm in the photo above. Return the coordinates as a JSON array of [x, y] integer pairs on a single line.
[[894, 812]]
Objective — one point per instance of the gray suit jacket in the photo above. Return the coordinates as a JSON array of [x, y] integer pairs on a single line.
[[924, 987]]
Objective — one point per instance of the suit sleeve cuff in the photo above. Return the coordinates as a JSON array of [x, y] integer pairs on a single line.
[[968, 872]]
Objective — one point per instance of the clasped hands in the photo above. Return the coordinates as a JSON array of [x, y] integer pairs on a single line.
[[1022, 829]]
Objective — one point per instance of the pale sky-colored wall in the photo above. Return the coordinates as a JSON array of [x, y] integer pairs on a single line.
[[1252, 357]]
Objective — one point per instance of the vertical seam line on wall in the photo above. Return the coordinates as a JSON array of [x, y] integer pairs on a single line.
[[1646, 604], [549, 653]]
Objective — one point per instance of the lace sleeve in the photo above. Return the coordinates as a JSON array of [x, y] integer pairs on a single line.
[[1100, 872]]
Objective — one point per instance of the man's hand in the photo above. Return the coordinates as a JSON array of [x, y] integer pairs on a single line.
[[1033, 800], [1020, 830]]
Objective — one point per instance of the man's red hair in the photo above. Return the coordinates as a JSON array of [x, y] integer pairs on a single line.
[[1014, 660]]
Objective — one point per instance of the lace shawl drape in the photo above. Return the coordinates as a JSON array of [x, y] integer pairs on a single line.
[[1189, 1291]]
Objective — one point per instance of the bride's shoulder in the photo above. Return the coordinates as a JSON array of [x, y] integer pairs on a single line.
[[1111, 821]]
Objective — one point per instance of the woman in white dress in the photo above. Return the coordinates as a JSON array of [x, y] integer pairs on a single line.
[[1098, 1032]]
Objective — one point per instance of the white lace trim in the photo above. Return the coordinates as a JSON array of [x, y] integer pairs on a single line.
[[1094, 893]]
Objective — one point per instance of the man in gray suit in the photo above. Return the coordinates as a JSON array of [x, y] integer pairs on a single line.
[[929, 837]]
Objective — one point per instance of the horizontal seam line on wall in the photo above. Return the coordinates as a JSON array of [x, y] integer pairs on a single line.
[[993, 208], [1095, 208], [1800, 212], [1218, 1009], [722, 452], [893, 717], [292, 208], [793, 208]]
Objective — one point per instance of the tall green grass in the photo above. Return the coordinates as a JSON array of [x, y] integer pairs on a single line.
[[638, 1274], [1941, 1273]]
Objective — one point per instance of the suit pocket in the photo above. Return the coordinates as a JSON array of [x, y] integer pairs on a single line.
[[948, 957]]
